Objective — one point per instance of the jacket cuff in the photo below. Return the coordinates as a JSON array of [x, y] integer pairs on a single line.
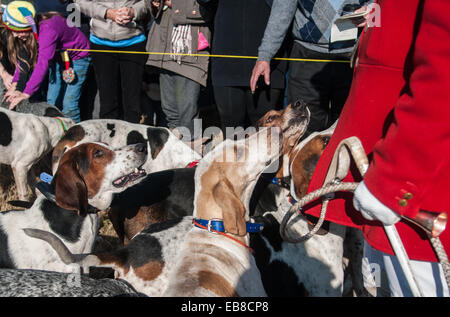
[[29, 91], [16, 75], [102, 13], [401, 196], [264, 56]]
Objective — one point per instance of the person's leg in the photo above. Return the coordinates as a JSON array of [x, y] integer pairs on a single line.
[[106, 67], [168, 100], [261, 102], [310, 82], [87, 99], [341, 83], [73, 90], [153, 92], [186, 93], [55, 84], [230, 103], [131, 76]]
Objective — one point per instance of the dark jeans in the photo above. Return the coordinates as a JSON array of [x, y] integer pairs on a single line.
[[323, 86], [179, 97], [238, 107], [119, 80]]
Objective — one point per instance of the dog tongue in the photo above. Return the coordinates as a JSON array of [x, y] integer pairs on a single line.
[[122, 181]]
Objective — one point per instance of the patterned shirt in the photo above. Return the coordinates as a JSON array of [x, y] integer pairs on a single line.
[[312, 22]]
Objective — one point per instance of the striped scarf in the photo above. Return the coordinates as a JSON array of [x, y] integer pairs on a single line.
[[181, 41]]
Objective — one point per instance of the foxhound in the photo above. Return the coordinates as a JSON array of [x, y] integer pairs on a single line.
[[315, 267], [169, 194], [25, 139], [212, 264], [165, 149], [88, 175]]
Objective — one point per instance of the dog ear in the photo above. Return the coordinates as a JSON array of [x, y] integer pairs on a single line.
[[70, 189], [156, 137], [135, 137], [233, 211]]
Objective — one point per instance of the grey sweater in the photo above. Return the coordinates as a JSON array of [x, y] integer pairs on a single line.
[[106, 29], [310, 28]]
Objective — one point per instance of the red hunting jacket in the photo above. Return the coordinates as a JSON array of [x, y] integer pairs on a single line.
[[399, 106]]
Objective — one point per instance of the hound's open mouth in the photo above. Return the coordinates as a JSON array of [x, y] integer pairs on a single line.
[[136, 174]]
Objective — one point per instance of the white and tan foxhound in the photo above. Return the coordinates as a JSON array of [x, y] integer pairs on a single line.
[[88, 175], [216, 258]]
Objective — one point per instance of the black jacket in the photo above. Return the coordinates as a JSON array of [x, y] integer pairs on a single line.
[[238, 30]]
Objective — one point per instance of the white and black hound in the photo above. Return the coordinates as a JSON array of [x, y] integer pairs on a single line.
[[88, 175]]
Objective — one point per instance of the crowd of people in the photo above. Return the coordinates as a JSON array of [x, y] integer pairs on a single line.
[[394, 99], [183, 32]]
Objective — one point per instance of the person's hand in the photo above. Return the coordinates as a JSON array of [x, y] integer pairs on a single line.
[[7, 79], [111, 14], [11, 92], [371, 208], [124, 15], [260, 68], [16, 99], [361, 21]]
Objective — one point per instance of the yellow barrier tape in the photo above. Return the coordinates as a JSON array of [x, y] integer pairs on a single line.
[[211, 55]]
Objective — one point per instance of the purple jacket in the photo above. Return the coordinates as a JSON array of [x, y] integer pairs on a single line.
[[55, 35]]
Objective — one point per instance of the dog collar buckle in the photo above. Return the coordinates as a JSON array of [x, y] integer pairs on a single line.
[[210, 226]]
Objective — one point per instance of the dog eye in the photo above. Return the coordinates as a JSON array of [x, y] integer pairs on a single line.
[[98, 153], [270, 119]]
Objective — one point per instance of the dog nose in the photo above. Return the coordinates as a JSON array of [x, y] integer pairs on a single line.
[[141, 148], [300, 104]]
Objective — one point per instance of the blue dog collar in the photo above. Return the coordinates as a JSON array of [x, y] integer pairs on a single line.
[[282, 182], [217, 225], [46, 177], [45, 188]]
